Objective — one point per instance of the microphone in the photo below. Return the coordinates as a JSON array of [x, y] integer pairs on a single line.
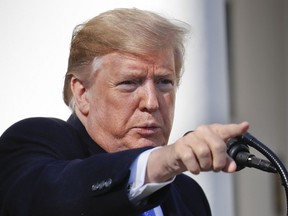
[[237, 148]]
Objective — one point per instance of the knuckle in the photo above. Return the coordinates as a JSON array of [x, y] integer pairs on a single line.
[[216, 127], [187, 156], [203, 152], [195, 171], [203, 128], [194, 168], [219, 165], [190, 161], [219, 147], [206, 165]]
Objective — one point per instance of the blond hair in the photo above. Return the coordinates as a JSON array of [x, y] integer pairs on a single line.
[[122, 30]]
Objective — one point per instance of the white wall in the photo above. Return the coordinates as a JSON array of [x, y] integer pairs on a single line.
[[34, 41]]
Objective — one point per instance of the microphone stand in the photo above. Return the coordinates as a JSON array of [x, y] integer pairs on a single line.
[[241, 143]]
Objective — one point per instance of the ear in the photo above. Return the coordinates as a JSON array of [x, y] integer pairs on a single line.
[[80, 96]]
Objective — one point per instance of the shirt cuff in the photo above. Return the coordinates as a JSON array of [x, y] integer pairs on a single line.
[[138, 191]]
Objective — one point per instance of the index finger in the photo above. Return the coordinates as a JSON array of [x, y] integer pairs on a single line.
[[231, 130]]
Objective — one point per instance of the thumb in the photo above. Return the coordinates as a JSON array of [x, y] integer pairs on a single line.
[[231, 165]]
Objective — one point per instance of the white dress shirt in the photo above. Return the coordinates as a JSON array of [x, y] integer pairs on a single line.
[[138, 190]]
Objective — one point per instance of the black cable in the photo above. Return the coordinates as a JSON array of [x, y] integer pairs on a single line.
[[248, 139]]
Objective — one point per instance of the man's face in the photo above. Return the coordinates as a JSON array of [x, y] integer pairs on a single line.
[[131, 101]]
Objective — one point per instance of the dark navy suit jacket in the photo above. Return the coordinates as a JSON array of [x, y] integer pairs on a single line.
[[49, 167]]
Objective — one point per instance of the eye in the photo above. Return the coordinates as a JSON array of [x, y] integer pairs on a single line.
[[127, 82], [128, 85], [165, 84]]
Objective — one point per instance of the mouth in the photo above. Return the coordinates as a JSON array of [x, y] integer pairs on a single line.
[[149, 129]]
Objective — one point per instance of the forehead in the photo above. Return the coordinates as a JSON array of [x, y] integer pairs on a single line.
[[159, 60]]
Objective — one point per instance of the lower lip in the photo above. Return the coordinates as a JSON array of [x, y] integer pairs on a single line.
[[147, 130]]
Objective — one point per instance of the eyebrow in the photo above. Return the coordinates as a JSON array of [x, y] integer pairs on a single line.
[[135, 72], [161, 69]]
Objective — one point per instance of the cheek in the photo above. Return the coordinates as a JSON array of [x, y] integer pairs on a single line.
[[167, 110], [169, 104], [113, 113], [168, 118]]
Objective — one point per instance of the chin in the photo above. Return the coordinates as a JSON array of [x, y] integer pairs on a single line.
[[146, 142]]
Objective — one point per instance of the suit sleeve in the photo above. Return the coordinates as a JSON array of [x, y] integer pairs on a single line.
[[44, 171]]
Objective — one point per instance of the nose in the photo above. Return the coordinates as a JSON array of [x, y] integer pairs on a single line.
[[149, 97]]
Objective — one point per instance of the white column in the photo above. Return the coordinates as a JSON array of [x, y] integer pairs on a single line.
[[203, 95]]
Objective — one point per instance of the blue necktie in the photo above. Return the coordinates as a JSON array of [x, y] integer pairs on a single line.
[[148, 213]]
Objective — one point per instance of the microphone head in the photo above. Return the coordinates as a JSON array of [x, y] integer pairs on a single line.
[[234, 146]]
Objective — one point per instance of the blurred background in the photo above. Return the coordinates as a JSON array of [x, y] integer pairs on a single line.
[[258, 60], [235, 70]]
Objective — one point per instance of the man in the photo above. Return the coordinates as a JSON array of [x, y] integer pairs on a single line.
[[111, 157]]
